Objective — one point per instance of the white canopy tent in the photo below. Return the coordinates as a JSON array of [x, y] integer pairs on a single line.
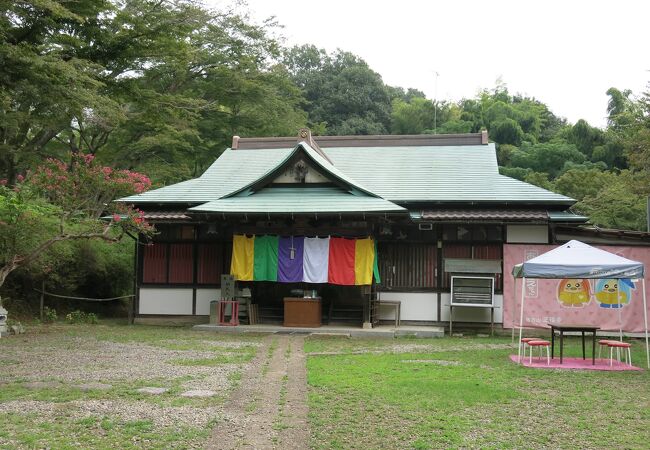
[[576, 259]]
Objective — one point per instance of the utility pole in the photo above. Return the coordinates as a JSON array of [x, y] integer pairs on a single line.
[[435, 105]]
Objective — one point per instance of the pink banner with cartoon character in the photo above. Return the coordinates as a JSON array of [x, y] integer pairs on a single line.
[[573, 301]]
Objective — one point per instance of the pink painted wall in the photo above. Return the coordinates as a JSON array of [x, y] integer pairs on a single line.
[[590, 302]]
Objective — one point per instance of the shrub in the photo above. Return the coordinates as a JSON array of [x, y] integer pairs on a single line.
[[49, 315], [81, 317]]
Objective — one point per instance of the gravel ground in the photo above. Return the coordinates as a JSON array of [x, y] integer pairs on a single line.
[[105, 361], [120, 410], [53, 359]]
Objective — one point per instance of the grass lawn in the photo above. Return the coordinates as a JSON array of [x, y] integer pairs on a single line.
[[75, 386], [466, 393]]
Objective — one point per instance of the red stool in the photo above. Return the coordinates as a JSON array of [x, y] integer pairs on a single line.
[[618, 346], [523, 344], [603, 343], [539, 343]]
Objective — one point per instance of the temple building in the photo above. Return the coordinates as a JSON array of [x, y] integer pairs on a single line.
[[355, 219]]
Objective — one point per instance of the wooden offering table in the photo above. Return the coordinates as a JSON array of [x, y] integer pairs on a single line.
[[302, 312]]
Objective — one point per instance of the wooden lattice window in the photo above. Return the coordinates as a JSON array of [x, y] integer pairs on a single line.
[[408, 265]]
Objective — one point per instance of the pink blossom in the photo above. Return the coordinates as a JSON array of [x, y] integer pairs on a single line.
[[3, 182], [116, 218], [20, 178]]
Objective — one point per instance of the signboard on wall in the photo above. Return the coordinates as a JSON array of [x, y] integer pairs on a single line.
[[594, 302]]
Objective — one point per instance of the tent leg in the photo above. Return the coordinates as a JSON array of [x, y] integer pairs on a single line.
[[618, 301], [645, 323], [514, 305], [521, 317]]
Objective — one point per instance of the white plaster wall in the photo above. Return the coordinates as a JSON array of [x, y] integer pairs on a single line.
[[471, 314], [203, 299], [414, 305], [527, 234], [165, 301]]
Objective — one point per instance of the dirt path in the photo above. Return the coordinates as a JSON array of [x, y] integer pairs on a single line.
[[269, 409]]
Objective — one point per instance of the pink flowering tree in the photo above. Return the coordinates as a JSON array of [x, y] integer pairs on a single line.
[[62, 201]]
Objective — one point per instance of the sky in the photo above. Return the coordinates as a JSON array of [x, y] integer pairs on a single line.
[[564, 53]]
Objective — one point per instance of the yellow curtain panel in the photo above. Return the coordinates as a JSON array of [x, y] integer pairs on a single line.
[[243, 256], [364, 261]]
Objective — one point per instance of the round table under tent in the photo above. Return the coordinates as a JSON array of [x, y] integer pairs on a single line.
[[577, 260]]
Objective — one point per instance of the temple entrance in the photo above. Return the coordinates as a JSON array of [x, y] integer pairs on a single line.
[[340, 305]]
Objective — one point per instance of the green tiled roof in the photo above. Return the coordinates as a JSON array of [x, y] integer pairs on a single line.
[[233, 170], [448, 173], [320, 161], [274, 200], [467, 173]]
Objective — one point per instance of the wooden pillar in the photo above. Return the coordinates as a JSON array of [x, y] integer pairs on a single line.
[[42, 306]]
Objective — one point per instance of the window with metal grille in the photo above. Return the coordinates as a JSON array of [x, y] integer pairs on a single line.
[[407, 265]]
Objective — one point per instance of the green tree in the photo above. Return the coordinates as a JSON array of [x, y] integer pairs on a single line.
[[622, 111], [519, 173], [44, 83], [341, 90], [548, 158], [412, 117], [61, 202], [585, 137], [504, 154], [506, 131], [616, 205], [539, 179], [635, 139], [580, 183]]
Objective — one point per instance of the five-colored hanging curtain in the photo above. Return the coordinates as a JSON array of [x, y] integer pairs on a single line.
[[316, 260], [290, 259], [265, 260], [241, 265], [294, 259]]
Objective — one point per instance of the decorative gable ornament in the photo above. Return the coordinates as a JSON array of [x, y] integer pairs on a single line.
[[300, 171]]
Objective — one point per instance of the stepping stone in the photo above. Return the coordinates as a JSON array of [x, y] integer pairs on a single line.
[[152, 390], [42, 384], [199, 393], [95, 386]]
